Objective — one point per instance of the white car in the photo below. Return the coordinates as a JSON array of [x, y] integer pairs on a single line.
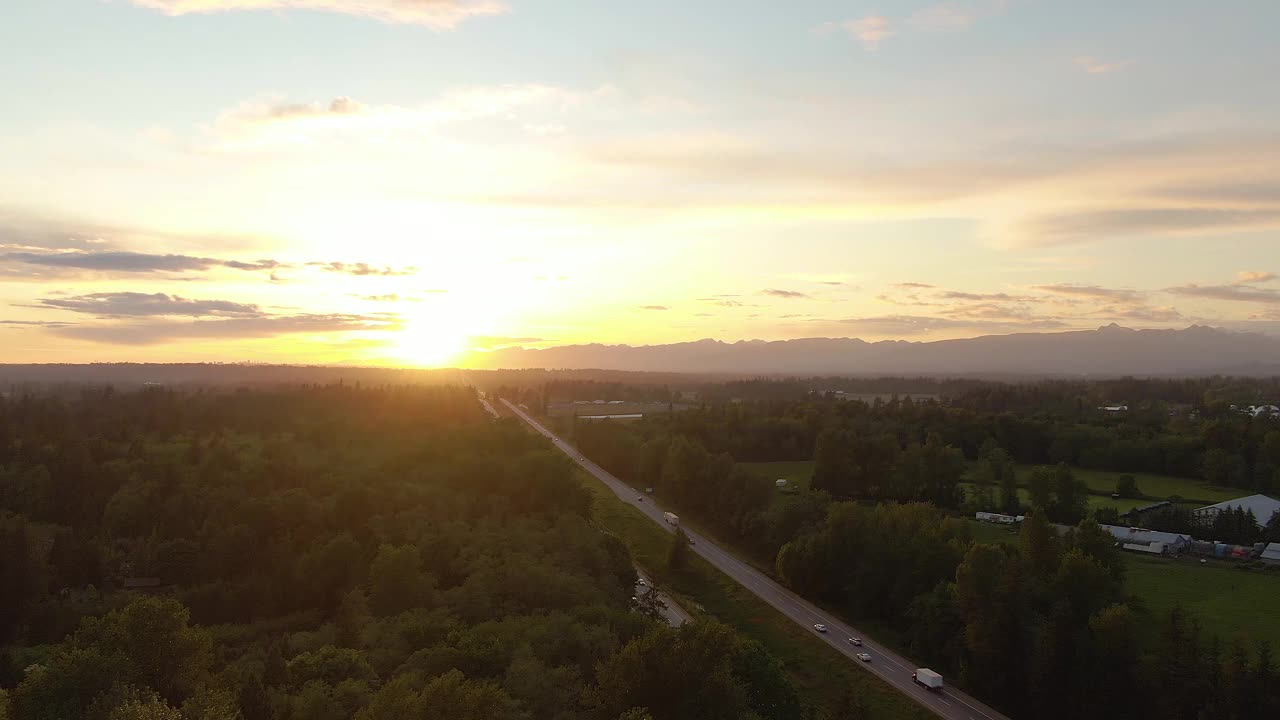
[[820, 627], [864, 657], [641, 582], [856, 642]]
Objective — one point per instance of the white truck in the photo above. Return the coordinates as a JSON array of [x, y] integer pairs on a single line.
[[672, 518], [928, 678]]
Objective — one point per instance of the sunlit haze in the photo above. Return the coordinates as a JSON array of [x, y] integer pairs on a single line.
[[403, 182]]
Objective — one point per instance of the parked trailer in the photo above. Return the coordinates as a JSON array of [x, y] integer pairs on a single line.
[[671, 518], [928, 678]]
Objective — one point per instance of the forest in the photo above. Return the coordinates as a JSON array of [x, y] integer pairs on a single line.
[[1043, 627], [324, 552]]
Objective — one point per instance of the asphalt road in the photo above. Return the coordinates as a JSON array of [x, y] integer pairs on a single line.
[[672, 612], [890, 667]]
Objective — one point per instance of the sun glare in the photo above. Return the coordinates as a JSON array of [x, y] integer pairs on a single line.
[[430, 341]]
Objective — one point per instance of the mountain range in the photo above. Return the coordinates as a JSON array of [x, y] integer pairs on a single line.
[[1108, 351]]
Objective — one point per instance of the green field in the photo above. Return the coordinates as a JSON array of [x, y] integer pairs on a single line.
[[821, 674], [1228, 602], [1100, 482], [1158, 487], [798, 472]]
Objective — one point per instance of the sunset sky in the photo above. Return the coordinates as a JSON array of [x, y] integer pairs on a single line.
[[394, 181]]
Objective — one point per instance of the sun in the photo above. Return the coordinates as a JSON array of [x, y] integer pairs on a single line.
[[430, 341]]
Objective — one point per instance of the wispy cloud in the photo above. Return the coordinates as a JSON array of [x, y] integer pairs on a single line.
[[1091, 291], [914, 325], [135, 304], [870, 30], [360, 269], [787, 294], [1249, 277], [1233, 293], [654, 307], [437, 14], [1072, 227], [153, 333], [1095, 66], [131, 262]]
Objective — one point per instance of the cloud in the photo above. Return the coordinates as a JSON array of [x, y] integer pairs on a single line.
[[338, 106], [1232, 293], [435, 291], [134, 304], [119, 261], [230, 328], [943, 17], [871, 29], [1072, 227], [1004, 297], [788, 294], [911, 325], [436, 14], [389, 297], [915, 285], [830, 282], [1141, 312], [35, 323], [362, 269], [1094, 66], [1091, 291], [654, 307], [1247, 277]]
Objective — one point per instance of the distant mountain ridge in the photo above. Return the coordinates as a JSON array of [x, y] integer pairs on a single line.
[[1109, 350]]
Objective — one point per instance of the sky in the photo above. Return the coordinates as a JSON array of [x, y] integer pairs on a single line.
[[402, 182]]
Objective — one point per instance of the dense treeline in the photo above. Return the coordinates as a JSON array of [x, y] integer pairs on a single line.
[[1214, 443], [1043, 628], [327, 552]]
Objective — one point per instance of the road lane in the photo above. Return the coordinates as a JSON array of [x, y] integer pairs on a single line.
[[672, 612], [890, 667]]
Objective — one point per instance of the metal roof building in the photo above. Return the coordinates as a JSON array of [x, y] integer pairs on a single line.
[[1261, 506], [1174, 542], [1271, 553]]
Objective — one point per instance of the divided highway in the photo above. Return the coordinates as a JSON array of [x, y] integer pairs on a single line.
[[890, 667]]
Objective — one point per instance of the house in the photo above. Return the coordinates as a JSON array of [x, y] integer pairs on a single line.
[[1114, 409], [1153, 541], [998, 518], [1262, 507]]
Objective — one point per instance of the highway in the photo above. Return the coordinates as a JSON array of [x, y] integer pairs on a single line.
[[672, 612], [890, 667]]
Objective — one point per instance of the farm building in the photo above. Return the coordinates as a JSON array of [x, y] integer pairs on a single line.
[[1271, 553], [1261, 506], [1150, 541], [998, 518]]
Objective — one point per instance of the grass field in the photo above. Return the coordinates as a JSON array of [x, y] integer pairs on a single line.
[[1159, 487], [1227, 602], [1101, 484], [798, 473], [820, 673]]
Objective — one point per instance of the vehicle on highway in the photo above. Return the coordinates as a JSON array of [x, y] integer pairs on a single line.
[[856, 642], [928, 678], [864, 657], [639, 498], [671, 518], [820, 627]]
